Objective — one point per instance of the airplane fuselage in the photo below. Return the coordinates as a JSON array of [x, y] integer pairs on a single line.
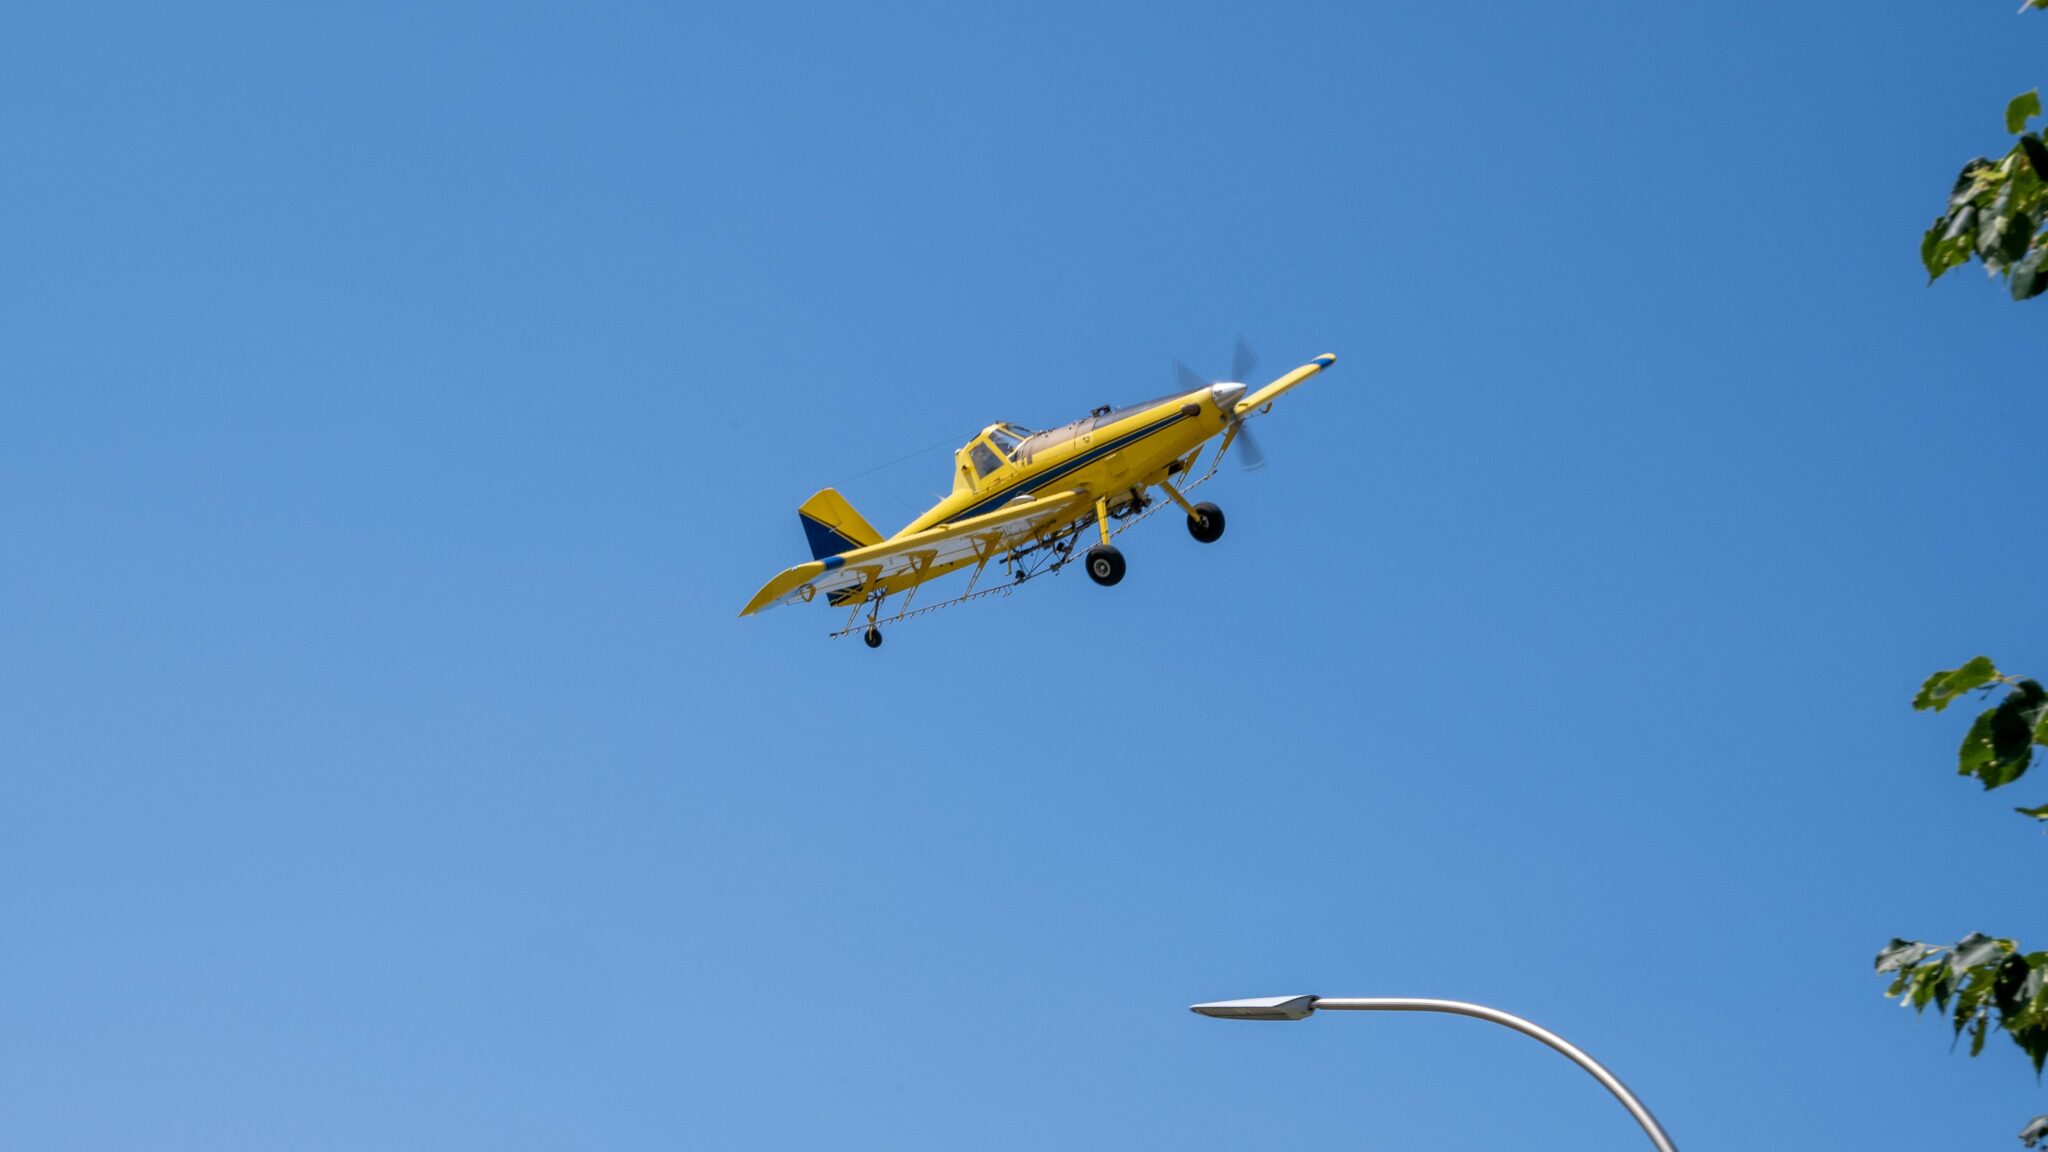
[[1105, 455]]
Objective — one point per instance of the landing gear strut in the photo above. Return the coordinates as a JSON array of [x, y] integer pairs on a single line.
[[1104, 563], [1205, 520], [873, 636]]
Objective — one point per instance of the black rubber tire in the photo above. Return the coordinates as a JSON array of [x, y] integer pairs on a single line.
[[1105, 565], [873, 637], [1206, 524]]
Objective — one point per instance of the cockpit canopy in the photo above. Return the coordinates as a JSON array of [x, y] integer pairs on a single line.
[[1001, 444], [996, 446]]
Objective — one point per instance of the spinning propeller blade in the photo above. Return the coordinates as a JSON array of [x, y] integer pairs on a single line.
[[1243, 362], [1248, 449]]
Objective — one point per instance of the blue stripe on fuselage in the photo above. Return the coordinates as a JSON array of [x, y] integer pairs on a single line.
[[1078, 462]]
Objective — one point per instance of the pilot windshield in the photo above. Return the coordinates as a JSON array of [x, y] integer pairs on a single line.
[[1005, 441]]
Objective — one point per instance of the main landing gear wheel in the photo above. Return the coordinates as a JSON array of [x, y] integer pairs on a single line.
[[1205, 523], [1105, 565], [873, 636]]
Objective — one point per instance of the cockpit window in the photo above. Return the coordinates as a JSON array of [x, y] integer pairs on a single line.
[[985, 461], [1005, 441]]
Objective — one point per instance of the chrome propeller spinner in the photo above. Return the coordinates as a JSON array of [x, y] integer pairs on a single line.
[[1226, 393]]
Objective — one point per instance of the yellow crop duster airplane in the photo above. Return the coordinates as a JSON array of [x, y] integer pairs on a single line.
[[1022, 499]]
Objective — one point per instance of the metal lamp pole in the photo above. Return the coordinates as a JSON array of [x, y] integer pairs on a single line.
[[1300, 1007]]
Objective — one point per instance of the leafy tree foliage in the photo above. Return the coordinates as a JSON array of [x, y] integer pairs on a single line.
[[1980, 982], [1998, 213], [1998, 210], [2000, 745], [1983, 983]]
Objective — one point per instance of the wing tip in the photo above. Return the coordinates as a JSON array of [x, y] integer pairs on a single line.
[[788, 581]]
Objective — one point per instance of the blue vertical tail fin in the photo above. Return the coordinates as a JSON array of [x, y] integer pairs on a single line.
[[832, 526]]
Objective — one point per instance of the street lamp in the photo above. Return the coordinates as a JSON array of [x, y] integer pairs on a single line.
[[1302, 1007]]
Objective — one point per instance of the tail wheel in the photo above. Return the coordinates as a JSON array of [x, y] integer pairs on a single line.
[[873, 637], [1105, 565], [1205, 523]]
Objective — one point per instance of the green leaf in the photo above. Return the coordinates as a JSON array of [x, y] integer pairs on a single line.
[[1992, 227], [1975, 949], [1987, 756], [1965, 189], [2024, 107], [2037, 154], [1999, 746], [1962, 224], [1939, 252], [2013, 239], [1930, 245], [1902, 954], [1943, 687], [2030, 275], [1935, 987], [2020, 717], [2009, 986]]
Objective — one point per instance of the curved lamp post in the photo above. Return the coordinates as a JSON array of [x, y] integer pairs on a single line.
[[1300, 1007]]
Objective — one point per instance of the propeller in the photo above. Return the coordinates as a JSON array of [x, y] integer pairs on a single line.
[[1243, 362]]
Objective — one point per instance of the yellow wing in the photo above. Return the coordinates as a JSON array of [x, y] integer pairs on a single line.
[[905, 561], [1264, 396]]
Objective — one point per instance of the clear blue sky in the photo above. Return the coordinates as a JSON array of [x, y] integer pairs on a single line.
[[400, 403]]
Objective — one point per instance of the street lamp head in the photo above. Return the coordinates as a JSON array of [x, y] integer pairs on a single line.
[[1262, 1008]]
